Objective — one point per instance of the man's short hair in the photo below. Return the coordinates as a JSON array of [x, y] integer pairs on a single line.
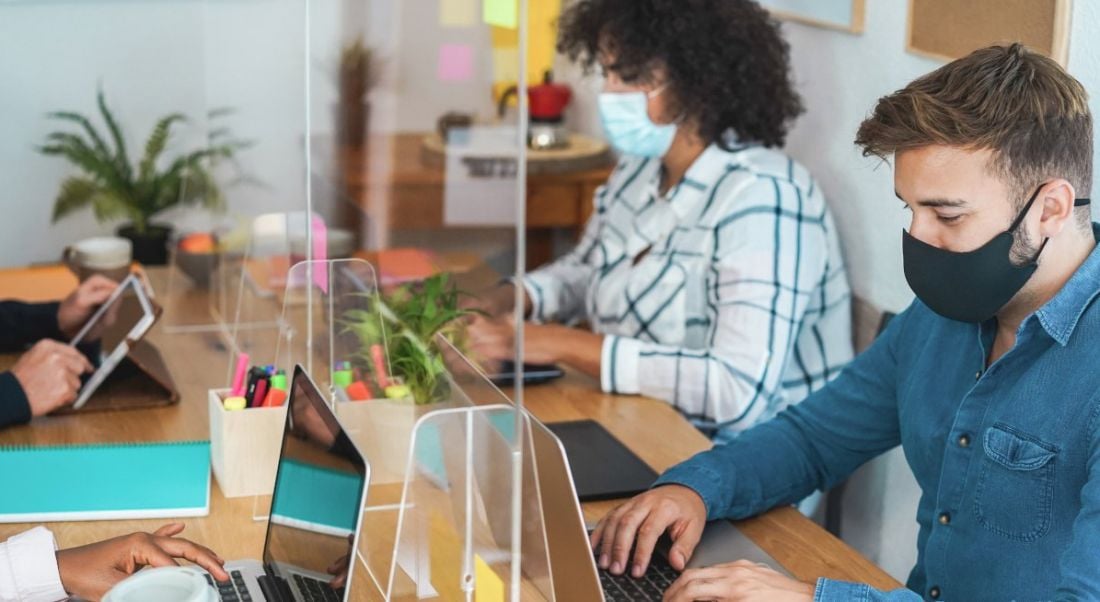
[[1017, 103]]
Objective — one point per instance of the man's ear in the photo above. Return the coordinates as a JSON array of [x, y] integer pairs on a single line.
[[1056, 198]]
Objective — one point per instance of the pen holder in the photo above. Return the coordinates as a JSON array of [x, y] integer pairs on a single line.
[[244, 446]]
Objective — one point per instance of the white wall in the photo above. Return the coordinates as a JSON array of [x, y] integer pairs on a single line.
[[840, 77], [151, 58], [154, 57]]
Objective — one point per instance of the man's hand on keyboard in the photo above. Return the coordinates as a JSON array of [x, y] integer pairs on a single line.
[[674, 508], [89, 571], [740, 581]]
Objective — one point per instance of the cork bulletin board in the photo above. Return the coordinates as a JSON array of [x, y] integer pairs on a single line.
[[949, 29], [841, 15]]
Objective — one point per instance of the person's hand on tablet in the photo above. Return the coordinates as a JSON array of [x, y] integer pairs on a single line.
[[82, 303], [50, 375]]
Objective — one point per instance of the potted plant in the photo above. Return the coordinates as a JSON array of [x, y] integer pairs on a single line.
[[117, 189], [409, 320], [355, 79]]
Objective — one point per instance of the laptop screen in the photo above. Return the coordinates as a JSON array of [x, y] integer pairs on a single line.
[[318, 495]]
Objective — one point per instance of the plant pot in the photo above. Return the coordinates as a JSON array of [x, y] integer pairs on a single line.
[[151, 246], [352, 121]]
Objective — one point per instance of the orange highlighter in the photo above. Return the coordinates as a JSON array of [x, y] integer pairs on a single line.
[[276, 395]]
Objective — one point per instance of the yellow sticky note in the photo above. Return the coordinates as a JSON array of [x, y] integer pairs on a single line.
[[488, 587], [506, 65], [457, 13], [503, 13], [502, 37]]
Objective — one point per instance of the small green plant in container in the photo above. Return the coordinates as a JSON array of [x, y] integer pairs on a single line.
[[409, 319]]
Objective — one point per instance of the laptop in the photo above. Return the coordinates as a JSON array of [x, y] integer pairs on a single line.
[[316, 510], [572, 561]]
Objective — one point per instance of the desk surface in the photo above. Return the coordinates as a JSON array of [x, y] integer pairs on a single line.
[[198, 361]]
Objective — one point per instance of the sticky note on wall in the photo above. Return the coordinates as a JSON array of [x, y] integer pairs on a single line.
[[458, 13], [456, 62], [502, 13], [506, 65]]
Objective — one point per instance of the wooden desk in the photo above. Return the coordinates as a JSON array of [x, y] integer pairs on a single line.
[[416, 195], [653, 429]]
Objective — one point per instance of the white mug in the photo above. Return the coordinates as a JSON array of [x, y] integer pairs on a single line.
[[164, 584], [106, 255]]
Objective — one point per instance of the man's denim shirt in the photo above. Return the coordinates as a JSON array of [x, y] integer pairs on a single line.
[[1007, 458]]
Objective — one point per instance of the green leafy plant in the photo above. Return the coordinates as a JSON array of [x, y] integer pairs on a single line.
[[410, 319], [114, 188]]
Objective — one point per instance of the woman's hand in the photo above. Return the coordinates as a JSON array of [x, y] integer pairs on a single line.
[[89, 571], [494, 339]]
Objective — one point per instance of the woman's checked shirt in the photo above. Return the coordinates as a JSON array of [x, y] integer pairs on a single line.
[[727, 297]]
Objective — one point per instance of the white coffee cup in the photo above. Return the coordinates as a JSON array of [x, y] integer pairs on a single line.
[[164, 584], [106, 255]]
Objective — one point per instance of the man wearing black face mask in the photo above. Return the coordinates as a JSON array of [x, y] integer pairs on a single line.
[[988, 381]]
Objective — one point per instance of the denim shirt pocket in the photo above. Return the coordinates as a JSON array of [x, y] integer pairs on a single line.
[[1015, 489]]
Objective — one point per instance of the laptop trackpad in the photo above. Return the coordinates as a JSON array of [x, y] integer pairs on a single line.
[[722, 542]]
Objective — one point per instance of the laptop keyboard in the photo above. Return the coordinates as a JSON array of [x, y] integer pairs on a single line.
[[276, 590], [651, 586], [233, 590], [316, 591]]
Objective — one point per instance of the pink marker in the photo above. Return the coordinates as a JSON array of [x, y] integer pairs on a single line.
[[379, 366], [238, 376]]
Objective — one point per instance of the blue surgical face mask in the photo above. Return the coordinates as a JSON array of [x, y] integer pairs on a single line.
[[626, 121]]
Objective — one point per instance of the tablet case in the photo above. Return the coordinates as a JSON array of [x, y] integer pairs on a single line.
[[141, 380], [603, 468]]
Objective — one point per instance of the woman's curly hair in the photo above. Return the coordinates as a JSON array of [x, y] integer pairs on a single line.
[[727, 65]]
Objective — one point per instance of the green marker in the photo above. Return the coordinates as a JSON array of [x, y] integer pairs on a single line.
[[278, 381], [342, 376]]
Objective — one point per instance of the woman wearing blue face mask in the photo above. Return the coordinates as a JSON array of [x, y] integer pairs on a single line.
[[709, 275]]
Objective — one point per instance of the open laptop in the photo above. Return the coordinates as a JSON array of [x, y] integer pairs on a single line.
[[316, 510], [572, 562]]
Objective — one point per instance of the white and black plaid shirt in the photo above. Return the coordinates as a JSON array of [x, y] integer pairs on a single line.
[[727, 297]]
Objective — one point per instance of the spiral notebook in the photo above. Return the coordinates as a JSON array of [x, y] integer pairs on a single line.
[[105, 481]]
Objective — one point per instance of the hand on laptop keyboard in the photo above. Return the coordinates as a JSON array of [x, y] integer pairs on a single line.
[[744, 580], [650, 586], [672, 508]]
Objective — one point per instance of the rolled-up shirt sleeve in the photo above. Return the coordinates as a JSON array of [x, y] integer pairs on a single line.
[[558, 290], [28, 568]]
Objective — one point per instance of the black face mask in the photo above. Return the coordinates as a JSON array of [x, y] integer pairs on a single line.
[[972, 286]]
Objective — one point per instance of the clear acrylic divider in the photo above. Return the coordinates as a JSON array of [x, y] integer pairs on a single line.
[[326, 324], [256, 282], [440, 513]]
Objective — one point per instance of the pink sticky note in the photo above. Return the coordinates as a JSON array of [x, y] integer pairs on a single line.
[[320, 253], [456, 62]]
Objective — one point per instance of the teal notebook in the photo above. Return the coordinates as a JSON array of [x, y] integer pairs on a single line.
[[105, 481], [316, 498]]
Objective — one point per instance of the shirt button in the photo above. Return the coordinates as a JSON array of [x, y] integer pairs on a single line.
[[978, 375], [964, 440], [945, 518], [934, 592]]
